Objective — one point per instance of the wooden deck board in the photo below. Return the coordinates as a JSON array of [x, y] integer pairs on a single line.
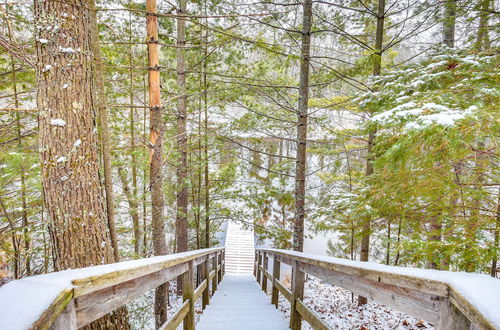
[[239, 303]]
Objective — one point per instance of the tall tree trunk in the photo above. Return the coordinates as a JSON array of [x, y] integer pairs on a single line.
[[182, 185], [302, 114], [388, 247], [450, 12], [155, 156], [68, 143], [193, 176], [398, 242], [377, 67], [205, 145], [473, 222], [100, 96], [15, 242], [436, 229], [483, 38], [144, 179], [496, 241], [132, 205], [365, 238], [24, 209], [134, 211]]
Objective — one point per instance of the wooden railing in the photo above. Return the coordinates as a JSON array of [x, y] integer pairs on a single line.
[[416, 292], [74, 298]]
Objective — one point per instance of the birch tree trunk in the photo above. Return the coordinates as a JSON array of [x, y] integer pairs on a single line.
[[302, 114], [68, 141], [155, 156]]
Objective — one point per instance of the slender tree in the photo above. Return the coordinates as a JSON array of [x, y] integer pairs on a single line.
[[377, 66], [205, 123], [134, 205], [155, 155], [483, 38], [496, 241], [22, 175], [450, 12], [102, 110], [302, 115], [182, 163]]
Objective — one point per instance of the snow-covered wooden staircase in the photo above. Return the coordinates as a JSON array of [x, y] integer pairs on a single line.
[[240, 304], [72, 299], [240, 249]]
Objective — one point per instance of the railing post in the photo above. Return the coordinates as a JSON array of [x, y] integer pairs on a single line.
[[451, 318], [205, 299], [255, 258], [264, 269], [219, 263], [188, 294], [276, 277], [223, 262], [297, 293], [259, 258], [67, 319], [214, 279]]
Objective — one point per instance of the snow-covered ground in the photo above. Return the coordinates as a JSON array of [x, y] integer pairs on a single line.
[[141, 310], [338, 308]]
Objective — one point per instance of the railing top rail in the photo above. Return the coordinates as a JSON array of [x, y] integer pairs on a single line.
[[474, 294], [27, 302]]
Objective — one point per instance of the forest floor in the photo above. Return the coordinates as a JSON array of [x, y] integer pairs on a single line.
[[338, 309]]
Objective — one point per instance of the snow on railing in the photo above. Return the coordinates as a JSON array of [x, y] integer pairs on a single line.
[[449, 300], [71, 299]]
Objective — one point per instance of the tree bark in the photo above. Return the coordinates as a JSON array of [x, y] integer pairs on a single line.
[[450, 12], [134, 206], [436, 229], [302, 115], [144, 179], [155, 155], [483, 38], [24, 209], [377, 67], [182, 184], [496, 241], [398, 253], [100, 97], [68, 141], [15, 243], [205, 146]]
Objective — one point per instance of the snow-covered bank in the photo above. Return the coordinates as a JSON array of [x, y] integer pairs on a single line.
[[481, 291], [338, 309]]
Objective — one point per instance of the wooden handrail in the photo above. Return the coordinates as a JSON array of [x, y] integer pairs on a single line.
[[446, 299], [74, 298]]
